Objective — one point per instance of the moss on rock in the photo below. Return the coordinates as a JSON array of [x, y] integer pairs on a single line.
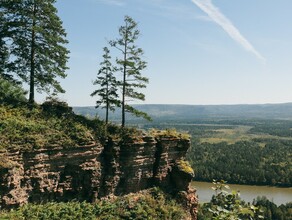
[[185, 167]]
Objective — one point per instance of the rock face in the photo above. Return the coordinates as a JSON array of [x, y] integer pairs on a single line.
[[50, 175], [87, 173]]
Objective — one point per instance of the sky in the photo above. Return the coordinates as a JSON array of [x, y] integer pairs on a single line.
[[201, 52]]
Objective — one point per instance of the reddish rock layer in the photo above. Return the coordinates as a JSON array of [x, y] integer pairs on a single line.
[[87, 173]]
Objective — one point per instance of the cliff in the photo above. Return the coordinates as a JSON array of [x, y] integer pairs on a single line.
[[87, 173]]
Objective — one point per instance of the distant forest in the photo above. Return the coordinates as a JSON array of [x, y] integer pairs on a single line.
[[189, 113]]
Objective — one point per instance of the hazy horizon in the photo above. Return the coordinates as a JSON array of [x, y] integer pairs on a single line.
[[280, 103]]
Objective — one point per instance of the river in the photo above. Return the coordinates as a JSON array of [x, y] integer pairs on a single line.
[[247, 193]]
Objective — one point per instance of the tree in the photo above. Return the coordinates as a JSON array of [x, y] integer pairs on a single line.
[[107, 85], [3, 57], [130, 65], [10, 92], [227, 205], [37, 39], [3, 50], [4, 54]]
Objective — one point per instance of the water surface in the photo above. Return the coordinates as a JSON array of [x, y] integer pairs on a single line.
[[247, 193]]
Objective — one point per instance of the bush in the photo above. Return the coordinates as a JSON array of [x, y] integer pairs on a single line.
[[53, 106], [227, 205], [148, 204], [172, 132], [26, 129]]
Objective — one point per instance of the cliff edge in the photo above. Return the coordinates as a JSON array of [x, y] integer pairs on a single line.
[[87, 173], [51, 154]]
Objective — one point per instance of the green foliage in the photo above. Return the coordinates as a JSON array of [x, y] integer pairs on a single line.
[[150, 204], [54, 124], [130, 64], [236, 150], [52, 211], [124, 134], [280, 128], [245, 162], [137, 113], [35, 38], [107, 82], [185, 166], [50, 125], [271, 211], [54, 106], [4, 50], [233, 151], [11, 93], [227, 205], [169, 132], [145, 205]]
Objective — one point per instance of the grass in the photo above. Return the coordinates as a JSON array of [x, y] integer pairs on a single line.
[[54, 124], [25, 129], [230, 136], [236, 134], [173, 133]]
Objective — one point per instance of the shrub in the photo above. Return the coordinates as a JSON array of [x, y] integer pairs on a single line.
[[172, 132], [147, 204], [227, 205], [185, 166], [26, 129]]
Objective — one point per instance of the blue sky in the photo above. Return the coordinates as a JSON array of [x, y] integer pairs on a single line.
[[198, 51]]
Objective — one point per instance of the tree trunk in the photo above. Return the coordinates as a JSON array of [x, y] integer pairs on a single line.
[[107, 99], [32, 58], [124, 85]]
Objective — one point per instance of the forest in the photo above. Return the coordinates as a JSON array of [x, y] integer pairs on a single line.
[[258, 152], [242, 151], [244, 162]]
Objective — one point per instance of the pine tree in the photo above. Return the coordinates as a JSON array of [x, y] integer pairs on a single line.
[[4, 54], [37, 39], [107, 85], [10, 92], [130, 65]]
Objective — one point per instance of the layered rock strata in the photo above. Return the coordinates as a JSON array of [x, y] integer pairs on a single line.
[[87, 173]]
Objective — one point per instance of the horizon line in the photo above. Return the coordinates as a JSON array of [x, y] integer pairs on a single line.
[[267, 103]]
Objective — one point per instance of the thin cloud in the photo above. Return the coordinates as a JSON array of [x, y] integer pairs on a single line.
[[113, 2], [215, 14], [204, 18]]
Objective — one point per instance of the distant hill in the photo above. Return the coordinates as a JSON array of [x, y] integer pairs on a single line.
[[161, 112]]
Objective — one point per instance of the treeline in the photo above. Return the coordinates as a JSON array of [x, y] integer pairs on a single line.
[[278, 128], [271, 211], [245, 162], [196, 130]]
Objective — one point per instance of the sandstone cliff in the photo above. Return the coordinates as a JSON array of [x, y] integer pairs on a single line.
[[87, 173]]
